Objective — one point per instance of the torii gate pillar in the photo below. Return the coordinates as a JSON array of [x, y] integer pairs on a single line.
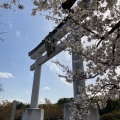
[[34, 113], [36, 84], [79, 83]]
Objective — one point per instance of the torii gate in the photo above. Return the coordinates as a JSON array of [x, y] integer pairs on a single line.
[[34, 113]]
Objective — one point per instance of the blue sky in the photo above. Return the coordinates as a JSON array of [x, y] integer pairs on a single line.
[[25, 32]]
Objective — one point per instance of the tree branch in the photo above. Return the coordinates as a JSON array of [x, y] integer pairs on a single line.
[[1, 39], [83, 26], [117, 25], [114, 86]]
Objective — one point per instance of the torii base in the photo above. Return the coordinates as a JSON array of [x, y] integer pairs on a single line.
[[94, 114], [33, 114]]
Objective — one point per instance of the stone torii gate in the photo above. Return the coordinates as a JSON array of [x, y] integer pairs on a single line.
[[50, 45]]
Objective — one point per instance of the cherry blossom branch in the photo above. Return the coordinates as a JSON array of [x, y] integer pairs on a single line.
[[83, 77], [93, 76], [83, 26], [116, 26], [114, 87]]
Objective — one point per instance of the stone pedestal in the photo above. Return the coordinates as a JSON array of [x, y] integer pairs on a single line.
[[94, 113], [33, 114], [67, 111]]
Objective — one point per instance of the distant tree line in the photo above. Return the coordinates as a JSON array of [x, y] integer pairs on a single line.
[[55, 111]]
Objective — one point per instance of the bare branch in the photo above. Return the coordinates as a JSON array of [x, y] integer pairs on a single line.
[[1, 39]]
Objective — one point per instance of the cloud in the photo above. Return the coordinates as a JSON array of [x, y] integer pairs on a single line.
[[68, 58], [65, 59], [41, 101], [46, 88], [6, 75], [26, 37], [18, 33], [11, 26], [15, 64]]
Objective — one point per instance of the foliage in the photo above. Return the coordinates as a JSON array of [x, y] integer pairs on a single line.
[[61, 101], [115, 115], [52, 111], [111, 106], [5, 110], [18, 114], [21, 105], [55, 111]]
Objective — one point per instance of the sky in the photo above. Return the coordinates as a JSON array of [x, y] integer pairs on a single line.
[[23, 33]]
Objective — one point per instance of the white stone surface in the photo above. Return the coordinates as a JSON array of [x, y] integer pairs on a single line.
[[36, 84], [33, 114], [67, 112], [94, 114], [76, 66]]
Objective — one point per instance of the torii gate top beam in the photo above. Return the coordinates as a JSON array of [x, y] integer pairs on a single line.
[[52, 35]]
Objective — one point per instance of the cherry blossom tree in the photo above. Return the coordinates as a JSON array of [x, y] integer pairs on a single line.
[[99, 22]]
